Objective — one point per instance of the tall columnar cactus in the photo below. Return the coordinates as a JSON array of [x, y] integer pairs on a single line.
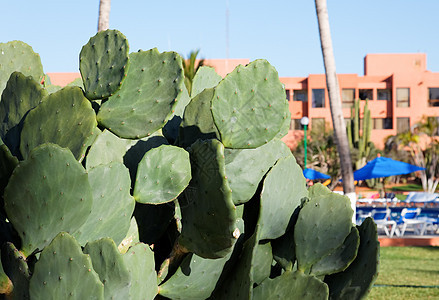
[[170, 196], [358, 138]]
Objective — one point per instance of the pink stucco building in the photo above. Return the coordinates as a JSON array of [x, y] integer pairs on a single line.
[[399, 87]]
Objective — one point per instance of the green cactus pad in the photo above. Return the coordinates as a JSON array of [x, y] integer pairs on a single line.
[[138, 148], [112, 204], [106, 149], [20, 96], [318, 189], [47, 193], [194, 279], [205, 78], [323, 224], [103, 63], [8, 162], [64, 272], [171, 129], [162, 175], [238, 284], [282, 192], [50, 89], [249, 106], [140, 262], [147, 97], [208, 213], [16, 268], [292, 285], [341, 258], [356, 281], [111, 268], [245, 168], [65, 118], [197, 120], [5, 283], [285, 126], [19, 56], [131, 238], [262, 259]]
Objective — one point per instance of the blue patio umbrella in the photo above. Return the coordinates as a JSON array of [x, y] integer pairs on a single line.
[[384, 167], [313, 174]]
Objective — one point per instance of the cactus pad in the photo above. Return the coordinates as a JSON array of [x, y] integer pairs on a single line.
[[147, 97], [140, 262], [323, 224], [283, 190], [208, 213], [170, 130], [65, 118], [47, 193], [357, 280], [341, 258], [162, 175], [197, 120], [194, 279], [249, 106], [103, 63], [8, 162], [112, 204], [107, 148], [131, 238], [16, 268], [291, 285], [19, 56], [64, 272], [245, 168], [205, 78], [110, 266], [20, 96]]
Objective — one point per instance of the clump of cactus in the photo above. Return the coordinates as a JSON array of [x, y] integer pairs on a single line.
[[128, 188], [359, 138]]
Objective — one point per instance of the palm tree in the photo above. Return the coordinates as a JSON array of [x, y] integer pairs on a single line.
[[190, 67], [104, 15], [335, 102]]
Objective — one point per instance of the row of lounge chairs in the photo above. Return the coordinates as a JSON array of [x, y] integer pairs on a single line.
[[408, 219]]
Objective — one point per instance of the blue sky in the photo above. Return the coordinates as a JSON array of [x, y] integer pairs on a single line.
[[283, 32]]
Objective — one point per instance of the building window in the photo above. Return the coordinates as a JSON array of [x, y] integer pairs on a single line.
[[287, 92], [402, 125], [300, 95], [382, 123], [318, 124], [364, 94], [384, 94], [402, 97], [433, 97], [318, 98], [347, 97]]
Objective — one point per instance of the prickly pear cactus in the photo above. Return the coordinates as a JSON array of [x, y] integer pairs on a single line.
[[19, 56], [249, 106], [20, 96], [103, 63], [123, 186], [147, 97]]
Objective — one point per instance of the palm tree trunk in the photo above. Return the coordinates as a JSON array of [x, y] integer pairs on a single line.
[[335, 102], [104, 15]]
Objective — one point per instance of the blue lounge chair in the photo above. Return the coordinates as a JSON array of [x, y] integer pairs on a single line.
[[409, 218], [383, 221]]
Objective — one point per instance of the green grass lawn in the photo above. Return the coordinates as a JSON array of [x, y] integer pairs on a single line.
[[407, 273]]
